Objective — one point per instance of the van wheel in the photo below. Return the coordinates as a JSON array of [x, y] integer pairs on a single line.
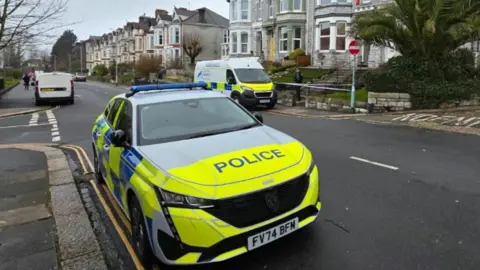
[[71, 101], [271, 105], [140, 238], [38, 102]]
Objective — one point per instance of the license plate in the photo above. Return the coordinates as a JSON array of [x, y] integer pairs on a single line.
[[272, 234], [264, 100], [47, 89]]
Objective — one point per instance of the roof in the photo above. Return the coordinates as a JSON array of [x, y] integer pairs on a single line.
[[184, 12], [165, 17], [143, 98], [247, 62], [210, 18]]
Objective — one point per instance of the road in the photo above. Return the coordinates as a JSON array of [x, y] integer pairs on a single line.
[[394, 197]]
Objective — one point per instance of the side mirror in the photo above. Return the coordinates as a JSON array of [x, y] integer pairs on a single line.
[[258, 116], [118, 138], [231, 80]]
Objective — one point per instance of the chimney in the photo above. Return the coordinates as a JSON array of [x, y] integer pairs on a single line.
[[201, 15], [160, 11]]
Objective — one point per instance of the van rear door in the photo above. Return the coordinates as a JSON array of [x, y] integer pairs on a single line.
[[54, 85]]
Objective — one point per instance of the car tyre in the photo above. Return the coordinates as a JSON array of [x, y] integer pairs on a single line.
[[38, 102], [140, 240], [71, 101], [98, 174]]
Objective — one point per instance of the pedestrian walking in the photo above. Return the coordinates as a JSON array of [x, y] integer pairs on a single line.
[[26, 81], [298, 78]]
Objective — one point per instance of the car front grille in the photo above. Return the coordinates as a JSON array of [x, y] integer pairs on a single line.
[[263, 94], [253, 208]]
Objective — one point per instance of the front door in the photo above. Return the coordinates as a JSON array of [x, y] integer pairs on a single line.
[[271, 50]]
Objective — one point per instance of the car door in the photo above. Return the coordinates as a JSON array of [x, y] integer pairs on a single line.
[[122, 162], [104, 149]]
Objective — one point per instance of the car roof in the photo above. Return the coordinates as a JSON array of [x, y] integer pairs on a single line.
[[152, 97]]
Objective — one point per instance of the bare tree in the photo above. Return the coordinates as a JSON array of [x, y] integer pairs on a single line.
[[192, 45], [29, 20]]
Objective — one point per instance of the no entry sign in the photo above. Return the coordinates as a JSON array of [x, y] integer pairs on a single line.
[[354, 47]]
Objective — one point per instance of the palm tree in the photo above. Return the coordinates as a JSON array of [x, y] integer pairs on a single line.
[[420, 28]]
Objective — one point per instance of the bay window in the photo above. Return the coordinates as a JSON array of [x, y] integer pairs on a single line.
[[297, 5], [244, 9], [283, 5], [270, 8], [341, 36], [283, 46], [160, 37], [234, 10], [244, 42], [234, 42], [297, 38], [325, 36]]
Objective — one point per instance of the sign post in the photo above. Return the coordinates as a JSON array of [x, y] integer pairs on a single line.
[[354, 49]]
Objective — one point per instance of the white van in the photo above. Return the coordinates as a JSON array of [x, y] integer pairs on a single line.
[[54, 87], [242, 79]]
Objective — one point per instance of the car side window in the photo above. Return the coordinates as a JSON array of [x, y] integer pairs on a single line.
[[231, 77], [108, 109], [113, 112], [125, 121]]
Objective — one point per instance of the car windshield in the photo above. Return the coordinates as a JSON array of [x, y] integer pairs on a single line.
[[252, 75], [192, 118]]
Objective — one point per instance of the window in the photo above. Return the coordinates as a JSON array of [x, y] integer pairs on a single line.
[[297, 4], [177, 35], [244, 9], [325, 36], [234, 10], [152, 42], [226, 36], [234, 42], [193, 118], [325, 2], [125, 121], [160, 37], [297, 38], [283, 5], [259, 10], [283, 46], [270, 8], [104, 53], [341, 33], [231, 76], [113, 112], [244, 42], [177, 53]]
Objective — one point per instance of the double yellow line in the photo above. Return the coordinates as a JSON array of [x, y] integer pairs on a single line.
[[87, 167]]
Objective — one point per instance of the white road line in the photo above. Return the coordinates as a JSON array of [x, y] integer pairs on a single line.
[[35, 125], [34, 119], [375, 163], [53, 121]]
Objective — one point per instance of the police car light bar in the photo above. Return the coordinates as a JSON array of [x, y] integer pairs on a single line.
[[167, 86]]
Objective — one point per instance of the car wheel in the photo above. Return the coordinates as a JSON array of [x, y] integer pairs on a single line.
[[140, 238], [98, 173]]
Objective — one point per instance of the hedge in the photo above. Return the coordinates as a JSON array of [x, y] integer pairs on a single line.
[[429, 83]]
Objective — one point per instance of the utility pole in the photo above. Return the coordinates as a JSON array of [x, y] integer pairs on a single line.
[[81, 57]]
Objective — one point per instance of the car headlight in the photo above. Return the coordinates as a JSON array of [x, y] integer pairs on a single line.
[[183, 200], [244, 88]]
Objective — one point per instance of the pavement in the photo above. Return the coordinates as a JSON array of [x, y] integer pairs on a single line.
[[43, 224], [395, 196]]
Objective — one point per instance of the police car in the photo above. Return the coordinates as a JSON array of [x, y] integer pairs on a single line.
[[200, 178]]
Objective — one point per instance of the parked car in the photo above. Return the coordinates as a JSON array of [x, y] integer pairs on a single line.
[[80, 77]]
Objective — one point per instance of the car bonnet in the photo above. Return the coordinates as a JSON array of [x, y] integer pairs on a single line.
[[226, 158]]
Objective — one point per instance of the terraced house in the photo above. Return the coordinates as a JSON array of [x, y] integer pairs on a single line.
[[274, 28]]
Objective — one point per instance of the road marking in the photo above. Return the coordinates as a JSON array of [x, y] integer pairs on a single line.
[[375, 163], [36, 125], [53, 121], [34, 119]]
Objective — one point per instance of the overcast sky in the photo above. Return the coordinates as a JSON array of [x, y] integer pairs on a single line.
[[96, 17]]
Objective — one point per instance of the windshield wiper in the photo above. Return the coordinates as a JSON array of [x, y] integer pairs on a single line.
[[206, 134], [247, 126]]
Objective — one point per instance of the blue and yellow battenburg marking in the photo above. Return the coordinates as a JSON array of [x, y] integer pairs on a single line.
[[239, 162]]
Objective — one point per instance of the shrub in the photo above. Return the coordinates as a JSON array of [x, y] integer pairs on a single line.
[[293, 55], [100, 70], [147, 64]]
